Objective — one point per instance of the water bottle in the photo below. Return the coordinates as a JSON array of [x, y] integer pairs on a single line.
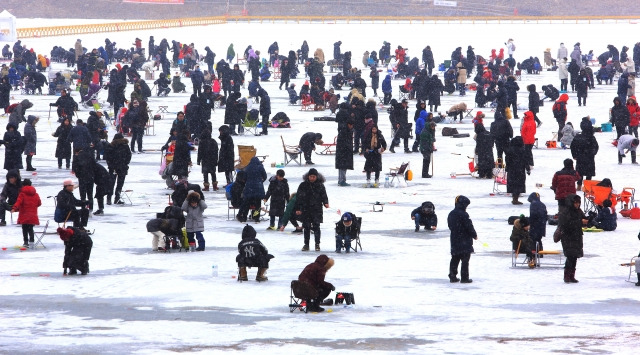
[[386, 182], [214, 270]]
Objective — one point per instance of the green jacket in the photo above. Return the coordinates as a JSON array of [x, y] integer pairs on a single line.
[[427, 138]]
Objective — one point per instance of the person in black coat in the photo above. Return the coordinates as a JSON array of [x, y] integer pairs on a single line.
[[512, 94], [481, 97], [502, 98], [253, 191], [252, 253], [502, 132], [534, 102], [425, 215], [182, 156], [537, 219], [278, 191], [484, 150], [375, 80], [582, 87], [5, 92], [79, 136], [265, 109], [104, 186], [310, 198], [434, 87], [516, 166], [9, 194], [227, 156], [571, 219], [14, 145], [584, 149], [238, 78], [550, 92], [347, 230], [462, 235], [193, 115], [231, 113], [96, 127], [344, 150], [401, 124], [623, 86], [66, 105], [209, 58], [308, 143], [83, 168], [427, 58], [619, 116], [118, 156], [77, 250], [66, 204], [197, 79], [373, 146], [208, 159]]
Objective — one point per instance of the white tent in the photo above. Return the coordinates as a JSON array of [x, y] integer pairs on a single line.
[[8, 31]]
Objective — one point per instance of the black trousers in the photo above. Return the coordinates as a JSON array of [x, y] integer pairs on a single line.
[[307, 227], [571, 263], [464, 270]]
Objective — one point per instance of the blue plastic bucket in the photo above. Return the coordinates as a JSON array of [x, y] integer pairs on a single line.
[[606, 127]]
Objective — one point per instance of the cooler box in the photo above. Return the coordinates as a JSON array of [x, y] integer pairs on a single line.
[[606, 127]]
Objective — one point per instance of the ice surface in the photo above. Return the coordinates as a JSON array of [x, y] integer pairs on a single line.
[[136, 301]]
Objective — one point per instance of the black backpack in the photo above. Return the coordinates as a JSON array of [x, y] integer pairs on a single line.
[[558, 110]]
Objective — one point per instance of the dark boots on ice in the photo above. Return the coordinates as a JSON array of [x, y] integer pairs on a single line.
[[569, 276], [206, 186], [515, 200], [243, 274], [638, 283], [262, 275]]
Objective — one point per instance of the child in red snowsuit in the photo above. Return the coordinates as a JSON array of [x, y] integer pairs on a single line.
[[27, 207]]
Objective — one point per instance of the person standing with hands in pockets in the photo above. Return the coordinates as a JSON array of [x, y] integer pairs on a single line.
[[462, 236]]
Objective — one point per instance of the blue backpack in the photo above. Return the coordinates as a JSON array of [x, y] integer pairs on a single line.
[[227, 191]]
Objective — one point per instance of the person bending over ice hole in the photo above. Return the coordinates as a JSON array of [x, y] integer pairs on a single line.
[[521, 240], [630, 143], [290, 216], [462, 236], [308, 143], [312, 277], [252, 253], [346, 229], [425, 215], [161, 227], [77, 250]]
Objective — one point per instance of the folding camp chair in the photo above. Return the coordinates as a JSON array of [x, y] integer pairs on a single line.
[[402, 94], [307, 103], [627, 197], [328, 148], [231, 211], [398, 173], [291, 153], [355, 242], [548, 261], [40, 234], [245, 153], [499, 178], [632, 269], [301, 293], [251, 126]]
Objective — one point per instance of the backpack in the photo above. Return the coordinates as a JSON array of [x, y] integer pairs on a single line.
[[227, 191], [557, 110], [60, 216], [448, 131], [10, 108]]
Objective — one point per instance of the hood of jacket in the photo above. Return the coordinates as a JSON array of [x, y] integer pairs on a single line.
[[528, 116], [462, 202], [28, 190], [14, 173], [31, 119], [248, 233], [534, 197], [570, 199], [564, 98], [423, 115], [325, 261], [617, 101], [26, 104]]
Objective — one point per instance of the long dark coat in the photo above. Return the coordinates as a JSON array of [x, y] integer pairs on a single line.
[[278, 191], [516, 160], [584, 149], [256, 176], [208, 153], [102, 179], [231, 113], [484, 148], [226, 157], [373, 158], [435, 90], [461, 227], [14, 143], [310, 199], [344, 147], [570, 223], [182, 157], [118, 156]]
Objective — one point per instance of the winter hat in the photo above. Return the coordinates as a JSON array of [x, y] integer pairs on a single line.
[[568, 163], [606, 203], [635, 142], [67, 182], [65, 233], [118, 136], [524, 221], [346, 217], [312, 171]]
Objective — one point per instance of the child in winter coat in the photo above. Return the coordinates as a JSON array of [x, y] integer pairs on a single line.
[[290, 216], [425, 215], [521, 240], [27, 206], [634, 115], [278, 191], [194, 222], [607, 218], [568, 133], [347, 230]]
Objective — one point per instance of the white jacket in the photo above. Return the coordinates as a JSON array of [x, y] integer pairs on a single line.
[[563, 52], [563, 72], [510, 48]]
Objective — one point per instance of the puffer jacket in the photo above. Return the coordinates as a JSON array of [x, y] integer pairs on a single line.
[[194, 222]]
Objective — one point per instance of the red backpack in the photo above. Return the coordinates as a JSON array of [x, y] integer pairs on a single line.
[[10, 108]]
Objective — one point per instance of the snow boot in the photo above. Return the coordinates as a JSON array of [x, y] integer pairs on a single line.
[[243, 274], [572, 276], [314, 306], [453, 278], [305, 247], [466, 281], [262, 274], [109, 200], [317, 246], [515, 200], [201, 243], [215, 186], [638, 283], [567, 276], [206, 186], [633, 158]]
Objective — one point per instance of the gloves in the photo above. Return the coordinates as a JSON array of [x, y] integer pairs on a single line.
[[51, 104]]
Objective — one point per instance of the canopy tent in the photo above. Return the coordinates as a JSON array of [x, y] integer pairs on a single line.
[[8, 31]]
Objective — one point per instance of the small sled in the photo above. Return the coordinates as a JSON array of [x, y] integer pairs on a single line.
[[473, 170]]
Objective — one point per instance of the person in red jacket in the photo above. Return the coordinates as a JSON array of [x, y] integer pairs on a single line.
[[559, 110], [564, 182], [634, 115], [528, 133], [27, 207], [313, 275], [400, 55]]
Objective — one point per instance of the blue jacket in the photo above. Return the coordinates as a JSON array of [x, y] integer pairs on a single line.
[[386, 84], [420, 122], [607, 219], [256, 176], [461, 227], [197, 78], [537, 217], [80, 137], [13, 76]]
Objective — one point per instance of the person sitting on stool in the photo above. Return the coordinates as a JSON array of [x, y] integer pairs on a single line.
[[346, 230], [313, 276]]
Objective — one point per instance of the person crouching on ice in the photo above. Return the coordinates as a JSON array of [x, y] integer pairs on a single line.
[[425, 215], [77, 250], [313, 276], [252, 253]]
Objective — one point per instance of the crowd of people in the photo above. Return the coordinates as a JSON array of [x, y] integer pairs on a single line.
[[82, 145]]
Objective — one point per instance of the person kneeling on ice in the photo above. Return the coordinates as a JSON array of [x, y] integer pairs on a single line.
[[77, 250], [607, 219], [313, 277], [161, 227], [425, 215], [346, 229], [252, 253], [521, 240]]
